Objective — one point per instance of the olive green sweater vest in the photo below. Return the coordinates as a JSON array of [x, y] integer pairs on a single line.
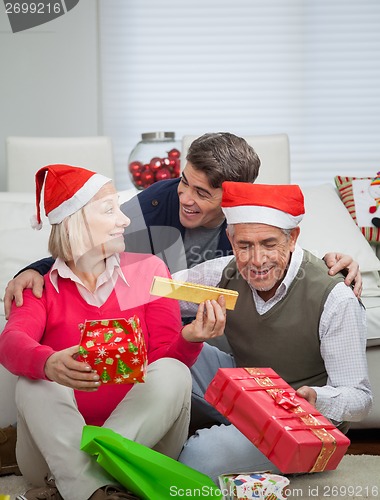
[[285, 338]]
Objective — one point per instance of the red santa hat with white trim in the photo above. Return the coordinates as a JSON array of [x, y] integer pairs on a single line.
[[276, 205], [67, 189]]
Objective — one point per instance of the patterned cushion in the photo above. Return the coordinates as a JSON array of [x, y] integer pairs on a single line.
[[358, 196]]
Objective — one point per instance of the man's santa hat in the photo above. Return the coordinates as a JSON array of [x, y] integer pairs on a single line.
[[276, 205], [67, 189]]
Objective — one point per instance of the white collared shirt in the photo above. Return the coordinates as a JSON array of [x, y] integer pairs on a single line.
[[104, 284], [342, 333]]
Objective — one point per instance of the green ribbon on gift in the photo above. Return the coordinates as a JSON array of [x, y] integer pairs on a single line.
[[145, 472]]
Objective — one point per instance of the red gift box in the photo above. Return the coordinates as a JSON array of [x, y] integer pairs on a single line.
[[115, 349], [283, 426]]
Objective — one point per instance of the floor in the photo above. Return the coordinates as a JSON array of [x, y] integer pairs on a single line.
[[364, 442]]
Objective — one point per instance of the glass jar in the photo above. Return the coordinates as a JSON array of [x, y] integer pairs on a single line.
[[155, 158]]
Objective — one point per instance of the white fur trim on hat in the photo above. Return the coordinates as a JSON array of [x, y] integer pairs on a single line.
[[79, 199], [261, 215], [34, 223]]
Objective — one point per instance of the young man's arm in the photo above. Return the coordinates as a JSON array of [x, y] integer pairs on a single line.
[[41, 266], [29, 277]]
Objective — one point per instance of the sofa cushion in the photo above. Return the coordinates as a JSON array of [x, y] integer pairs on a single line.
[[327, 226], [20, 244]]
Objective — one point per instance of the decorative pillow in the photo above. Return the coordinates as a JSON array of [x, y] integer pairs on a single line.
[[328, 227], [361, 197]]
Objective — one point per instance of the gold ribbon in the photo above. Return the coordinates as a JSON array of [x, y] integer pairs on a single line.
[[282, 397]]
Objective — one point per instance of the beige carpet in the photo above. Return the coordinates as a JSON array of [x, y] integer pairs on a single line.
[[357, 477]]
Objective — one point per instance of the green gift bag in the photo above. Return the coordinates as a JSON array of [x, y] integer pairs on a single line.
[[145, 472]]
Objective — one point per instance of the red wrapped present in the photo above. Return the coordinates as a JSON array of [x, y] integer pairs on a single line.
[[116, 349], [283, 426]]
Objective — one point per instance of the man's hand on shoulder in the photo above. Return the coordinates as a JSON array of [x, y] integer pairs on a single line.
[[337, 262], [15, 288]]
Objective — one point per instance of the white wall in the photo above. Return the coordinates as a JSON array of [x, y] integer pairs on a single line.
[[251, 67], [49, 78]]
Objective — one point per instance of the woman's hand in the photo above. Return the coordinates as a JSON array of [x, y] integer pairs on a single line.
[[61, 367], [209, 322], [340, 262], [15, 288]]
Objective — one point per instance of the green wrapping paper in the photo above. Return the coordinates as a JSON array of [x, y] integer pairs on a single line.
[[145, 472]]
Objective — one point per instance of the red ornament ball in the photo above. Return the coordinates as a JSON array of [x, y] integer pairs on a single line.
[[136, 175], [162, 174], [147, 178], [174, 153], [155, 163], [172, 163], [138, 183], [156, 169], [176, 171], [135, 166]]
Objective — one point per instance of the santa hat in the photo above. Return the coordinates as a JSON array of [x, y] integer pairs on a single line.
[[67, 189], [276, 205]]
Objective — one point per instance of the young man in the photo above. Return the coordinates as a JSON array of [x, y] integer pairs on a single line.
[[180, 220], [290, 315]]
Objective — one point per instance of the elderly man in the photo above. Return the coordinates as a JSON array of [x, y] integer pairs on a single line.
[[290, 316]]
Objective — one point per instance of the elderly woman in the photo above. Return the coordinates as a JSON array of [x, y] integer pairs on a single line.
[[57, 394]]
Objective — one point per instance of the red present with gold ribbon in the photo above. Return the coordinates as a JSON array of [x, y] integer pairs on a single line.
[[116, 349], [283, 426]]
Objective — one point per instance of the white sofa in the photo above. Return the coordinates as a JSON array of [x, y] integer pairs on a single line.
[[326, 226]]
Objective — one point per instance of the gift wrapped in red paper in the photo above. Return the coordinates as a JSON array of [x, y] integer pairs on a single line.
[[283, 426], [116, 349]]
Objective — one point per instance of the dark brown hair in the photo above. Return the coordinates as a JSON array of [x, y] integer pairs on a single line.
[[224, 157]]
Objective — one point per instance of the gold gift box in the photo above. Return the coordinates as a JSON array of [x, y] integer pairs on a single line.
[[191, 292]]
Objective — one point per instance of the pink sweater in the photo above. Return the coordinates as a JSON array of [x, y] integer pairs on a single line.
[[43, 326]]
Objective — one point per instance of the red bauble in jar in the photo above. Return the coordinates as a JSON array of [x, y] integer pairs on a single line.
[[147, 178], [156, 164], [163, 174], [174, 153], [136, 167], [156, 157]]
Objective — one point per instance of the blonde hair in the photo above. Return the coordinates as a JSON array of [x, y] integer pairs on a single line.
[[67, 239], [71, 239]]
